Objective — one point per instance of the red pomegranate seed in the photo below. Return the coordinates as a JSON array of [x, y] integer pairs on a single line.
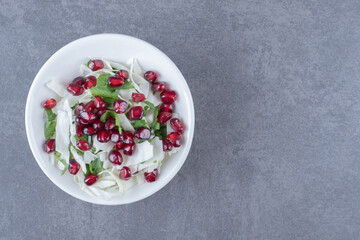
[[101, 112], [79, 109], [79, 80], [143, 133], [79, 130], [116, 81], [115, 136], [83, 145], [119, 145], [100, 104], [135, 113], [125, 173], [90, 179], [167, 107], [98, 125], [151, 76], [81, 121], [49, 104], [137, 97], [158, 86], [175, 139], [90, 82], [89, 131], [168, 96], [123, 74], [96, 65], [88, 116], [129, 149], [73, 167], [163, 117], [115, 157], [75, 89], [167, 146], [110, 123], [120, 106], [151, 176], [90, 106], [128, 137], [103, 136], [177, 125], [49, 145]]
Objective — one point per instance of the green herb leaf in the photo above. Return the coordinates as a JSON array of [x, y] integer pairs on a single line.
[[117, 122], [126, 85], [58, 156], [84, 137], [51, 116], [104, 92], [155, 124], [103, 80], [94, 167], [139, 123], [162, 132], [50, 129], [105, 115], [87, 64], [151, 106]]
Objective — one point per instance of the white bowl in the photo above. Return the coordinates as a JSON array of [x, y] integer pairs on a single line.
[[64, 66]]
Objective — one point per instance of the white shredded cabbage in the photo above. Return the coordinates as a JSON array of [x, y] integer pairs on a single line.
[[147, 155]]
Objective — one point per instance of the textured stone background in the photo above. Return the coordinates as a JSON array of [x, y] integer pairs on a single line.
[[276, 89]]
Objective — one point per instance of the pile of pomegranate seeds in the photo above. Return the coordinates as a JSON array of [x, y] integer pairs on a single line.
[[97, 124]]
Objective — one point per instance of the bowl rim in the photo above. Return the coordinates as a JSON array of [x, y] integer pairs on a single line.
[[171, 175]]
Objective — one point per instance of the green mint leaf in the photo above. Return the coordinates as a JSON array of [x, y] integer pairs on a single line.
[[96, 166], [117, 122], [87, 64], [103, 80], [151, 106], [155, 124], [84, 137], [58, 157], [139, 123], [105, 115], [50, 129], [126, 85], [104, 92], [162, 132], [51, 116], [155, 161]]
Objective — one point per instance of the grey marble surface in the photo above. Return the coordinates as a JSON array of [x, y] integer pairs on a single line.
[[276, 87]]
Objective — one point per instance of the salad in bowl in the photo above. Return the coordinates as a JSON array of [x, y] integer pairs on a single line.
[[112, 127]]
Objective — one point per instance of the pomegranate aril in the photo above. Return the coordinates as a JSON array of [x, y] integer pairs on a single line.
[[120, 106], [123, 74], [103, 136], [135, 113], [73, 167], [115, 157], [151, 76], [90, 106], [158, 86], [115, 136], [163, 117], [88, 116], [49, 145], [168, 96], [98, 125], [110, 123], [89, 131], [79, 109], [90, 179], [177, 125], [143, 133], [81, 121], [116, 81], [79, 130], [101, 112], [125, 173], [100, 104], [90, 82], [79, 80], [83, 145], [75, 89], [49, 103], [151, 176], [128, 137], [167, 107], [119, 145], [175, 139], [129, 149], [137, 97], [96, 65], [167, 146]]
